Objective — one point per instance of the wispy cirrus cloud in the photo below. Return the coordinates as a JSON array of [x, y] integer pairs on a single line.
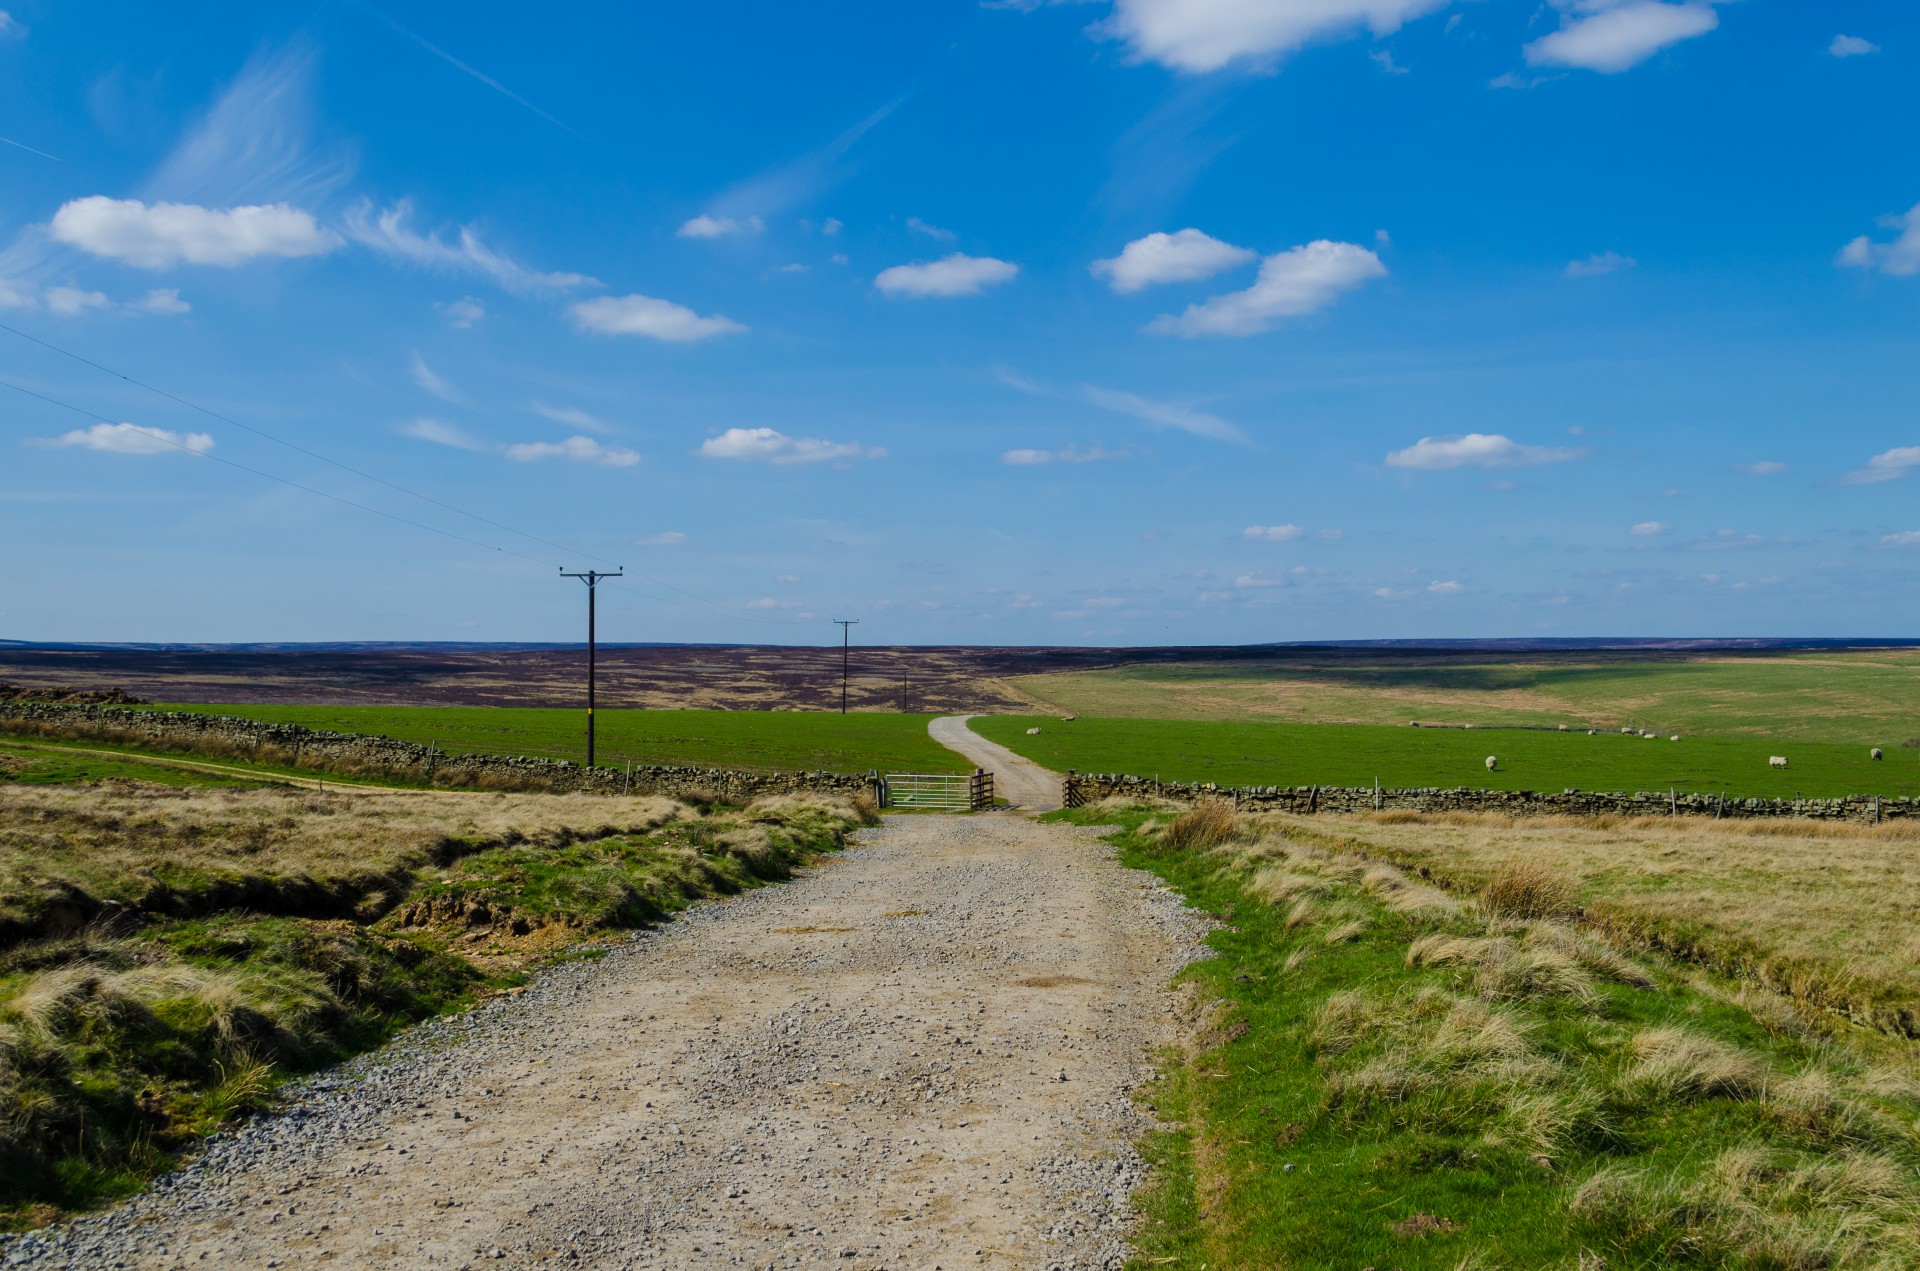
[[1477, 450], [464, 68], [1164, 414], [571, 416], [574, 449], [1293, 283], [390, 233], [1599, 265], [1066, 454], [429, 380], [707, 226], [443, 434]]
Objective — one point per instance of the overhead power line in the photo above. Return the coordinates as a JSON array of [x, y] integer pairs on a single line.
[[711, 607]]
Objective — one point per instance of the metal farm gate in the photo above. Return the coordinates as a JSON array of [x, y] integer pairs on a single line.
[[946, 792]]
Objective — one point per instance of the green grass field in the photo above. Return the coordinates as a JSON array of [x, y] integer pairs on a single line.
[[1866, 697], [1278, 754], [767, 740], [29, 764]]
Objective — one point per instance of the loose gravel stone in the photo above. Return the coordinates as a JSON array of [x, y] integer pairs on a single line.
[[920, 1053]]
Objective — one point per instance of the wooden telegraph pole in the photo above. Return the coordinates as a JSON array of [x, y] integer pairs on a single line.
[[591, 577]]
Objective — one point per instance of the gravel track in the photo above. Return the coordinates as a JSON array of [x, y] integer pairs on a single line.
[[918, 1054], [1016, 778]]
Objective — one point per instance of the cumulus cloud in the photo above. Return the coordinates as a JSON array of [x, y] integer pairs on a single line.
[[1603, 263], [441, 434], [1292, 283], [1205, 35], [1066, 454], [665, 538], [766, 445], [578, 449], [1900, 258], [1179, 257], [1851, 46], [464, 313], [1650, 529], [1905, 538], [1446, 587], [1476, 450], [1611, 36], [655, 319], [162, 300], [955, 275], [1272, 533], [1762, 468], [705, 226], [71, 302], [932, 231], [389, 233], [1164, 414], [162, 235], [132, 439], [1888, 465]]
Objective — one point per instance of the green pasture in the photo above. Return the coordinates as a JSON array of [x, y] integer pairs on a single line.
[[1864, 696], [1279, 754], [28, 764], [766, 740]]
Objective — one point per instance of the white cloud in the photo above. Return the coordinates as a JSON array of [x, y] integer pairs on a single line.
[[1164, 414], [1906, 538], [441, 435], [71, 302], [1261, 580], [132, 439], [464, 313], [1650, 529], [934, 232], [1383, 58], [956, 275], [424, 376], [1066, 454], [705, 226], [1445, 588], [1763, 468], [389, 234], [1272, 533], [655, 319], [1298, 281], [1603, 263], [665, 538], [14, 295], [10, 27], [1476, 450], [163, 300], [578, 449], [787, 578], [1610, 36], [1889, 465], [1179, 257], [1851, 46], [1900, 258], [570, 416], [162, 235], [1205, 35], [765, 445], [831, 226]]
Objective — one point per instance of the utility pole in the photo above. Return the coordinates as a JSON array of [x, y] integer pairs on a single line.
[[846, 643], [591, 577]]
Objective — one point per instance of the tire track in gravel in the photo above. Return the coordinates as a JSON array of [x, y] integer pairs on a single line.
[[917, 1054]]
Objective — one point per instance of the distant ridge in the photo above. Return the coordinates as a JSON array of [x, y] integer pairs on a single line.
[[1494, 644]]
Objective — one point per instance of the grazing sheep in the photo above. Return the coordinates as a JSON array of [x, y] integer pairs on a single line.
[[1875, 753], [1675, 737], [1563, 728], [1776, 761], [1033, 732], [1492, 763], [1593, 732]]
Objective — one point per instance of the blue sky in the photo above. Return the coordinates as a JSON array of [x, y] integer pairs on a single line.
[[1149, 321]]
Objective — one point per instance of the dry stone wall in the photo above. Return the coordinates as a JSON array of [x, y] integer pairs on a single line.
[[1086, 788], [363, 755]]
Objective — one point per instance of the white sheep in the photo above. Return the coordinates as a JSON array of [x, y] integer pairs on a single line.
[[1033, 732], [1776, 761], [1875, 752], [1675, 737], [1492, 763]]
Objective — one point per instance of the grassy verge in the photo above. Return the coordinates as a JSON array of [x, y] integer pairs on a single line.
[[1394, 1076], [169, 957], [1248, 754], [777, 741], [30, 765]]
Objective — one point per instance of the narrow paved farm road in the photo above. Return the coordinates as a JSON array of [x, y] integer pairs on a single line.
[[915, 1055], [1017, 779]]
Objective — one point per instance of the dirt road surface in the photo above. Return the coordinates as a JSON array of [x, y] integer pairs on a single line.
[[1017, 779], [916, 1055]]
